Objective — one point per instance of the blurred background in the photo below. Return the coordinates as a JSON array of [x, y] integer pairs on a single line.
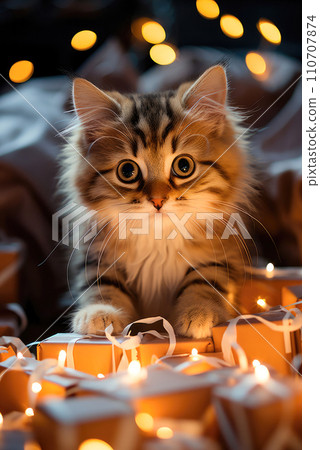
[[144, 46]]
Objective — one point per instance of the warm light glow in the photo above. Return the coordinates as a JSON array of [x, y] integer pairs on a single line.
[[261, 302], [62, 358], [162, 54], [94, 444], [31, 445], [270, 267], [83, 40], [153, 32], [21, 71], [144, 421], [262, 373], [1, 420], [269, 31], [134, 368], [136, 27], [164, 433], [36, 387], [20, 355], [100, 375], [29, 412], [208, 8], [256, 363], [256, 63], [231, 26], [194, 352]]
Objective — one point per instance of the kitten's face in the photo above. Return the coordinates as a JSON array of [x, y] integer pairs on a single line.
[[158, 152]]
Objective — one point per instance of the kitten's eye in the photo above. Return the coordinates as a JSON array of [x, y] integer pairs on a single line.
[[128, 171], [183, 166]]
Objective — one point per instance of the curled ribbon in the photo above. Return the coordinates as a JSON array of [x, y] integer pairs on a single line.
[[290, 322], [16, 344]]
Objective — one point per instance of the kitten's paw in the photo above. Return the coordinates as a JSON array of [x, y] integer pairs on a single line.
[[195, 321], [93, 319]]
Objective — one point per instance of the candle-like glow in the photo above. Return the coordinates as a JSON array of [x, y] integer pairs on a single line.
[[62, 358], [36, 387], [134, 368], [162, 54], [153, 32], [1, 420], [256, 63], [100, 375], [269, 31], [256, 363], [231, 26], [20, 355], [194, 352], [164, 433], [262, 373], [263, 304], [29, 412], [21, 71], [94, 444], [270, 267], [208, 8], [144, 421], [83, 40]]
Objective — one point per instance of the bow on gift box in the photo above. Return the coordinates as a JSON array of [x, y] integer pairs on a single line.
[[130, 343]]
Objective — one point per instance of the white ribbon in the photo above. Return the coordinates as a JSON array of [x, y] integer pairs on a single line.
[[214, 362], [16, 344], [289, 324]]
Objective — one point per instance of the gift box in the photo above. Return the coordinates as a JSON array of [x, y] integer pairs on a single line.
[[292, 297], [268, 344], [11, 346], [158, 391], [261, 284], [97, 355], [10, 263], [259, 414], [68, 424], [193, 364]]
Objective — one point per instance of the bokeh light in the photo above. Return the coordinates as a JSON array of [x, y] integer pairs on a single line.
[[94, 444], [256, 63], [208, 8], [29, 412], [162, 54], [269, 31], [136, 27], [153, 32], [36, 387], [231, 26], [164, 433], [21, 71], [83, 40], [144, 421], [262, 373]]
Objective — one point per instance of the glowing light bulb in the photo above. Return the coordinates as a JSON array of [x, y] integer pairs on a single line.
[[100, 375], [208, 8], [83, 40], [94, 444], [261, 302], [144, 421], [20, 355], [164, 433], [270, 267], [29, 412], [256, 63], [162, 54], [269, 31], [21, 71], [194, 352], [36, 387], [134, 368], [256, 363], [62, 358], [231, 26], [153, 32], [262, 373], [1, 420]]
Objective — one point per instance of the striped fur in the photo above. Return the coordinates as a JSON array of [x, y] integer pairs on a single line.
[[192, 282]]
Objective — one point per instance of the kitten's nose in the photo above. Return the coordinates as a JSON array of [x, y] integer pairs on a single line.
[[157, 202]]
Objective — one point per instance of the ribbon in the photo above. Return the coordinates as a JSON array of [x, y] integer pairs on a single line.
[[16, 344], [290, 322]]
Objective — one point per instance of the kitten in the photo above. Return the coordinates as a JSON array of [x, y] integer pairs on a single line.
[[155, 154]]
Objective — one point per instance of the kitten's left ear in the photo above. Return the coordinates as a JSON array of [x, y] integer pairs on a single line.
[[210, 90]]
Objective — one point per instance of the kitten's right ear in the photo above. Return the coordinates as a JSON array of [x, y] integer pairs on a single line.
[[92, 104]]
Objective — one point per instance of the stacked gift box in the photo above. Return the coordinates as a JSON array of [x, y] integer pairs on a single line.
[[240, 388]]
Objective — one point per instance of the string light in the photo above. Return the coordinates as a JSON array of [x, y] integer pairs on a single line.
[[83, 40], [1, 420], [256, 63], [208, 8], [164, 433], [269, 31], [270, 267], [162, 54], [134, 368], [231, 26], [262, 373], [21, 71], [29, 412], [153, 32], [36, 387], [62, 358], [100, 375], [194, 352], [94, 444], [255, 363], [144, 421], [136, 27], [20, 355]]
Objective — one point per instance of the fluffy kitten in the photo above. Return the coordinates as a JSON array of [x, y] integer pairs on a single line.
[[155, 154]]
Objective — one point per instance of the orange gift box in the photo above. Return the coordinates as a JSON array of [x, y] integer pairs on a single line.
[[267, 285], [262, 343], [162, 393], [65, 425], [93, 355], [193, 365], [292, 295]]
